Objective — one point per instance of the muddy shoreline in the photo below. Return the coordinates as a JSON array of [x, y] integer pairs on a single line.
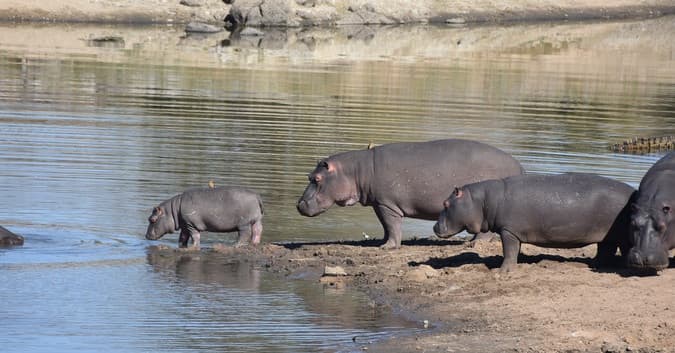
[[555, 301]]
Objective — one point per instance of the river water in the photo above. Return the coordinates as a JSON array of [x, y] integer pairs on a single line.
[[97, 132]]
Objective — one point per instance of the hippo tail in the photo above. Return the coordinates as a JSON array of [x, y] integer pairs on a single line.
[[260, 204]]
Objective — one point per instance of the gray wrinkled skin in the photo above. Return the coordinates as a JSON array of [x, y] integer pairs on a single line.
[[8, 238], [652, 220], [558, 211], [221, 209], [402, 179]]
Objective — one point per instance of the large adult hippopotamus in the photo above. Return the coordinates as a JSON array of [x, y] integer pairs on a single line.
[[409, 179], [8, 238], [560, 211], [218, 209], [653, 218]]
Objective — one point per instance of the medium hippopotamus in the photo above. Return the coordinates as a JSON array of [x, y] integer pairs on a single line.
[[560, 211], [652, 218], [218, 209], [8, 238], [409, 179]]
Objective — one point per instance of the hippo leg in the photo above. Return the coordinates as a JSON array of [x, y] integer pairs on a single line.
[[245, 235], [511, 248], [391, 222], [256, 232], [606, 254], [196, 237], [183, 238]]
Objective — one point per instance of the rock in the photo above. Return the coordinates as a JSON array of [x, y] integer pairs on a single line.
[[192, 3], [456, 21], [109, 41], [421, 273], [262, 13], [613, 347], [252, 32], [364, 15], [317, 15], [200, 27], [334, 271]]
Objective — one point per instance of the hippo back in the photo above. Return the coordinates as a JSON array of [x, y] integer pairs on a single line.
[[417, 177]]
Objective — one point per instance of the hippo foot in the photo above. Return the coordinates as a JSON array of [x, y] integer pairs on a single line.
[[506, 268], [390, 245]]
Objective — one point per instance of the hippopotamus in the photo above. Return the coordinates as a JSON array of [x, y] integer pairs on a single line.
[[652, 218], [559, 211], [218, 209], [8, 238], [407, 179]]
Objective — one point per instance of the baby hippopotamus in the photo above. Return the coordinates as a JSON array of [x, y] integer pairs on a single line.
[[218, 209], [558, 211]]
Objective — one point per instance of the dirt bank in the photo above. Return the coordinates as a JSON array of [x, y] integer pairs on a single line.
[[292, 13], [553, 302]]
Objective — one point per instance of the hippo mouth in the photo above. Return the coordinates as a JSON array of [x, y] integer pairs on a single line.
[[442, 231], [653, 260], [309, 209]]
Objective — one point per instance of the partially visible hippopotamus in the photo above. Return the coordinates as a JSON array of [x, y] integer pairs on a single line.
[[652, 219], [402, 179], [559, 211], [219, 209], [8, 238]]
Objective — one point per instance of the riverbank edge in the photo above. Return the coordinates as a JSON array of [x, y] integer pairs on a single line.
[[555, 302], [327, 13]]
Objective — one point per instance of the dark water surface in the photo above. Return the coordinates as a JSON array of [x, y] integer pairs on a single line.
[[93, 136]]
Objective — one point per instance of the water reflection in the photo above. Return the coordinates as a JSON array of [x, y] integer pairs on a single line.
[[263, 311]]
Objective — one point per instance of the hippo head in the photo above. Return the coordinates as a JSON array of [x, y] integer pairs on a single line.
[[160, 223], [460, 212], [328, 184], [651, 228]]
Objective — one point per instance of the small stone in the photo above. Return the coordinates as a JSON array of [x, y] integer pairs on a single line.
[[199, 27], [334, 271], [252, 32], [192, 3], [455, 21]]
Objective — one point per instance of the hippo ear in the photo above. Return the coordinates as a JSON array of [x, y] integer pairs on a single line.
[[458, 192], [330, 166]]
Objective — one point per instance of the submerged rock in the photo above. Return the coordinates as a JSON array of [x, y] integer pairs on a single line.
[[8, 238], [252, 32], [199, 27]]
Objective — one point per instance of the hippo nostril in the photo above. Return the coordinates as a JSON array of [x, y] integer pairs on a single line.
[[634, 258]]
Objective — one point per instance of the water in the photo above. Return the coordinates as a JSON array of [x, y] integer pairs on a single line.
[[94, 136]]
